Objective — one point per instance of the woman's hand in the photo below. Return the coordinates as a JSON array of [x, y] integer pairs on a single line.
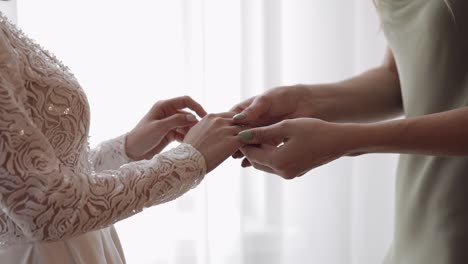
[[164, 123], [275, 105], [293, 147], [215, 137]]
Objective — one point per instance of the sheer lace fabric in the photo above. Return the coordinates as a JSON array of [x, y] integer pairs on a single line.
[[52, 186]]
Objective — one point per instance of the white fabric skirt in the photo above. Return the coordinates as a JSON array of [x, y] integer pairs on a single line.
[[96, 247]]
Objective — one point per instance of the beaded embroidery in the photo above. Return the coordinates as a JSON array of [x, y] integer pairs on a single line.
[[52, 186]]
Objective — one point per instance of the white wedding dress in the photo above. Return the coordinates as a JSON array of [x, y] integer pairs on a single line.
[[59, 200]]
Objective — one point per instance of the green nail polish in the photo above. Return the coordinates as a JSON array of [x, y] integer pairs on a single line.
[[246, 135], [240, 116]]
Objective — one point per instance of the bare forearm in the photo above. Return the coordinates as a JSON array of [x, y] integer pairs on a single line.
[[372, 96], [441, 134]]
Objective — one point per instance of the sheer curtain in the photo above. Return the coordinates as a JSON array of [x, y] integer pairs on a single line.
[[129, 54]]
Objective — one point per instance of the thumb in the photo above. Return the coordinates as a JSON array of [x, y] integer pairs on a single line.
[[177, 121], [259, 107], [262, 135]]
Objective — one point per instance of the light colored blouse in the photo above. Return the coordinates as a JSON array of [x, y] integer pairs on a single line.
[[58, 199]]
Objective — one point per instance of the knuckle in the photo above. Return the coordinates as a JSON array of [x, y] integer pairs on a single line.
[[237, 129], [210, 116], [218, 120], [158, 104], [226, 130], [263, 99]]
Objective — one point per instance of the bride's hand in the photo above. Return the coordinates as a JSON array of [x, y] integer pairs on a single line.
[[164, 123], [215, 137]]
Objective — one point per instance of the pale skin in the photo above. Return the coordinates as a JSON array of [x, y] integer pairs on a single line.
[[320, 123], [167, 121]]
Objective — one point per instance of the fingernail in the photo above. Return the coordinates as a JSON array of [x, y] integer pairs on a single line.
[[191, 118], [240, 116], [246, 135]]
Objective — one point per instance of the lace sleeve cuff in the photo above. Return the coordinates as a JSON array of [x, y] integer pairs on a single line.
[[184, 163], [110, 154], [178, 170], [194, 161]]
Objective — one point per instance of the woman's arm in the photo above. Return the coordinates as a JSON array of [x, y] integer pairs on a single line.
[[440, 134], [308, 143], [165, 122], [374, 95], [371, 96], [49, 200]]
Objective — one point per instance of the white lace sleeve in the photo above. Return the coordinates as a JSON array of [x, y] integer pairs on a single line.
[[109, 154], [49, 201]]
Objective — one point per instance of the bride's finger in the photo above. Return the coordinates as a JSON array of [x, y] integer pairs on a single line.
[[182, 130], [186, 102], [235, 130], [184, 112], [175, 121], [224, 115]]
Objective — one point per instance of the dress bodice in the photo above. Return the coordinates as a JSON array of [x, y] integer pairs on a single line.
[[52, 186]]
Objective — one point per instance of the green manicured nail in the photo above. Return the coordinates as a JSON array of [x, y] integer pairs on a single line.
[[240, 116], [246, 135]]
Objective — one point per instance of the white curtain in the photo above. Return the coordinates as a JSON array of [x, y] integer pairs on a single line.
[[129, 54]]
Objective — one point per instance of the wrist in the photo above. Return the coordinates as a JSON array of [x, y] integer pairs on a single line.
[[369, 138], [316, 101], [198, 156], [358, 139], [128, 147]]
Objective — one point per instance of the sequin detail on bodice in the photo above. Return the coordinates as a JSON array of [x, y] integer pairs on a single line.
[[52, 186]]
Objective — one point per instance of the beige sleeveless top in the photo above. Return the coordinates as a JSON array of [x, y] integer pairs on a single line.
[[430, 44]]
